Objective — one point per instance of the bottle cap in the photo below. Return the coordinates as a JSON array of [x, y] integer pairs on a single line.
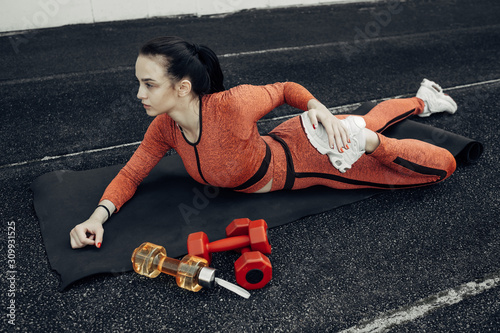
[[206, 277]]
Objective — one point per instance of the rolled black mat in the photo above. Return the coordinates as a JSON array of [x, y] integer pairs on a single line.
[[169, 205]]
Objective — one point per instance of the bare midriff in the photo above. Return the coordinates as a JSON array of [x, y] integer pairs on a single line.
[[266, 188]]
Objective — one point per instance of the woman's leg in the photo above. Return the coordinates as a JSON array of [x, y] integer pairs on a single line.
[[420, 161], [389, 163], [393, 164], [390, 112], [362, 130], [430, 99]]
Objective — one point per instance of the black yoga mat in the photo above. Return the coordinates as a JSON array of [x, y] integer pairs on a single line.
[[169, 205]]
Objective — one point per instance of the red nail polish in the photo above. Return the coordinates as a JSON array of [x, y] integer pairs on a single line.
[[341, 150], [347, 146], [98, 245], [314, 126]]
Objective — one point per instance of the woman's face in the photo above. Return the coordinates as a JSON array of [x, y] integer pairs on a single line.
[[156, 92]]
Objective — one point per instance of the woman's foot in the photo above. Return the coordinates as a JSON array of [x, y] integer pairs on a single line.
[[434, 98]]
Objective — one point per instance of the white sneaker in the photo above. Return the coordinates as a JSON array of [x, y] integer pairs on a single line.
[[319, 139], [434, 98]]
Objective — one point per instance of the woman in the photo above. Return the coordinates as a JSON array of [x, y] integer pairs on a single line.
[[215, 133]]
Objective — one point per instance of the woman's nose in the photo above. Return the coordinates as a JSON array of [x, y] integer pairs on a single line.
[[140, 94]]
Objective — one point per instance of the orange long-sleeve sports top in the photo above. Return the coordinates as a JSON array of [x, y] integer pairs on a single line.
[[229, 150]]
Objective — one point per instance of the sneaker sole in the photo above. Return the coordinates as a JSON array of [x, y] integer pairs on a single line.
[[435, 88]]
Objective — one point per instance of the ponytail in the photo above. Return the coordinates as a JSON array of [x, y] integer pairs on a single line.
[[184, 59]]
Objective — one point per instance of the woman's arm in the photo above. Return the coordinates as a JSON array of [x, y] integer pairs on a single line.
[[123, 186], [257, 101], [299, 97]]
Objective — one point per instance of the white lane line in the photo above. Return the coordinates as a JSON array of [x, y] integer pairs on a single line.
[[473, 84], [246, 53], [334, 110], [388, 320], [63, 76], [49, 158], [347, 108], [280, 49]]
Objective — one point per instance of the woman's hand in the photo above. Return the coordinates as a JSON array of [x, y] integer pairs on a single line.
[[89, 232], [338, 136]]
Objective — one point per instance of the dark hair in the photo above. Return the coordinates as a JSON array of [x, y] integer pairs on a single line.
[[184, 59]]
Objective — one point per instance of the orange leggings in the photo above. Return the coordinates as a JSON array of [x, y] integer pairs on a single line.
[[394, 164]]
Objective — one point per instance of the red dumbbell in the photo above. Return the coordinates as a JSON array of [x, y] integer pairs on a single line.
[[253, 270], [199, 246], [238, 227]]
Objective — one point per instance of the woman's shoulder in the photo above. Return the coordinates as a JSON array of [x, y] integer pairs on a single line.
[[229, 99], [245, 87], [244, 90], [163, 120], [232, 91], [162, 125]]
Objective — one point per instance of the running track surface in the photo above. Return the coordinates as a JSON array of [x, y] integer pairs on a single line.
[[420, 260]]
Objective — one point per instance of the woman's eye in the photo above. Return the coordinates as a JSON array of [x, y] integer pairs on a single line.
[[149, 85]]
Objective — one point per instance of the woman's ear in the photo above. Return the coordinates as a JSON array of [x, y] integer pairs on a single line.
[[184, 88]]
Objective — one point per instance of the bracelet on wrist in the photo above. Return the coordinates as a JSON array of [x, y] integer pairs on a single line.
[[107, 210]]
